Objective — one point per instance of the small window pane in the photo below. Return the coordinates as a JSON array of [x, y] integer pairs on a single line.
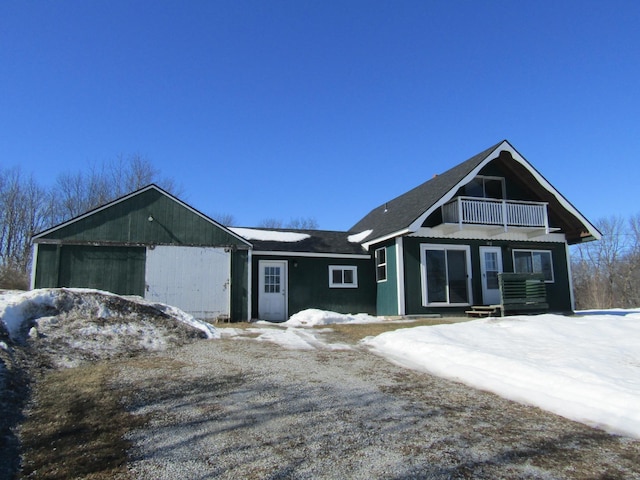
[[348, 276], [337, 276]]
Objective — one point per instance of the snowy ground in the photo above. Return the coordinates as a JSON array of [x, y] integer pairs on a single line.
[[586, 368]]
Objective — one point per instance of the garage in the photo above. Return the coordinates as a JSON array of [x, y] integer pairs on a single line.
[[151, 244]]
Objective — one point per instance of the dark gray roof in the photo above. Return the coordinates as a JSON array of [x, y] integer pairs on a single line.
[[397, 214], [318, 241]]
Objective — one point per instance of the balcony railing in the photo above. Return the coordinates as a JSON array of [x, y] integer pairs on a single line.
[[487, 211]]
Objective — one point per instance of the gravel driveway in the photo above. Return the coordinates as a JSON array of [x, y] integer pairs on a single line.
[[247, 409]]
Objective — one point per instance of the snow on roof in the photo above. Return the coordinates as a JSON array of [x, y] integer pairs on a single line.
[[358, 237], [269, 235]]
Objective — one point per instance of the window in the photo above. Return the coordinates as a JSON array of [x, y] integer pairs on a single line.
[[343, 277], [485, 187], [381, 264], [445, 275], [271, 279], [533, 261]]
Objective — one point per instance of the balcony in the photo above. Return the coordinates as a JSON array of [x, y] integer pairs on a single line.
[[502, 214]]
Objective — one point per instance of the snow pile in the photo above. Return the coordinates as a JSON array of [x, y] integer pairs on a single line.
[[69, 326], [583, 368], [312, 317]]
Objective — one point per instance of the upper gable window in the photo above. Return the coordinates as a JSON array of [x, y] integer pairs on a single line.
[[485, 187]]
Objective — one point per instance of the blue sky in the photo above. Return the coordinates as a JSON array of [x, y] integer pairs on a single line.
[[325, 109]]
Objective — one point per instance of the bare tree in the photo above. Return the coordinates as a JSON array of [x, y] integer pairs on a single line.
[[271, 223], [606, 273], [76, 193], [22, 213], [226, 219], [298, 223]]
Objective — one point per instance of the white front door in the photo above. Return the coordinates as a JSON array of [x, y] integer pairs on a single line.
[[490, 266], [272, 290]]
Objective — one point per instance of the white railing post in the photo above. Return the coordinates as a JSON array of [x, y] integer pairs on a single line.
[[546, 219], [504, 214], [460, 213]]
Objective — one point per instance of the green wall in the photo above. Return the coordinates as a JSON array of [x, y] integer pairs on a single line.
[[387, 298], [308, 285], [558, 292], [115, 269], [127, 222], [239, 286]]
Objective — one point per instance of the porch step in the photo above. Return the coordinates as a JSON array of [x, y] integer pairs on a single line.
[[483, 311]]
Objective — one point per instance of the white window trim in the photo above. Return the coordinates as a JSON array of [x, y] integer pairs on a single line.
[[352, 268], [423, 273], [384, 264], [531, 250]]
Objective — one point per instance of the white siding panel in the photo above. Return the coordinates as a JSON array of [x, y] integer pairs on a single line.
[[194, 279]]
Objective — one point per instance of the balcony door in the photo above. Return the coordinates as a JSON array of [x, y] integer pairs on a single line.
[[490, 267]]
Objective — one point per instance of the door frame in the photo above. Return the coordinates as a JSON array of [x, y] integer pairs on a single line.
[[483, 271], [284, 282]]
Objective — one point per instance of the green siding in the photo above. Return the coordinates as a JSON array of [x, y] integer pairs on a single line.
[[387, 298], [308, 285], [558, 293], [239, 286], [127, 222], [115, 269], [47, 261]]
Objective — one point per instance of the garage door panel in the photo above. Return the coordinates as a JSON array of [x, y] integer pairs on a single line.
[[194, 279]]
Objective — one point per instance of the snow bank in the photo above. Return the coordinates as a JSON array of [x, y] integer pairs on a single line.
[[312, 317], [19, 310], [583, 368]]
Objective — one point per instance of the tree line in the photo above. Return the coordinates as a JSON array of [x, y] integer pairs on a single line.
[[606, 273], [27, 207]]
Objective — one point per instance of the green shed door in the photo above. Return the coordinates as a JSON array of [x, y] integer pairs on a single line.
[[114, 269]]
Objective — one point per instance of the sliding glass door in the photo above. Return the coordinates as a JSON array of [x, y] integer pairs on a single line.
[[445, 275]]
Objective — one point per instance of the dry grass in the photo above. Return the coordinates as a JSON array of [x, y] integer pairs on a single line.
[[354, 332], [75, 426]]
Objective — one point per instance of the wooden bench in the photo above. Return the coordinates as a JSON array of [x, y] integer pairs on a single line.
[[522, 292]]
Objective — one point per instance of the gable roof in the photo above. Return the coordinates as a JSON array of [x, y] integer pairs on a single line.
[[313, 242], [406, 213], [64, 227]]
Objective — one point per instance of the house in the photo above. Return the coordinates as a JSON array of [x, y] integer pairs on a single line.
[[436, 249], [439, 247]]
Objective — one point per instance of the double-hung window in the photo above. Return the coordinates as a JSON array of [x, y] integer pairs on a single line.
[[446, 274], [381, 264], [341, 276], [533, 261]]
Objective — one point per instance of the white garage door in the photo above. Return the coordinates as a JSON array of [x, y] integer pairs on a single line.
[[194, 279]]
